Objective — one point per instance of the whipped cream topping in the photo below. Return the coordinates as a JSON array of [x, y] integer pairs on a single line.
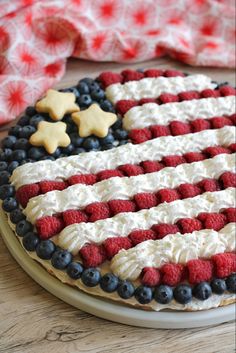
[[152, 114], [174, 248], [79, 196], [94, 162], [75, 236], [152, 87]]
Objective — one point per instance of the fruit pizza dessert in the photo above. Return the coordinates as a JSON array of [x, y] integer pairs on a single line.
[[124, 186]]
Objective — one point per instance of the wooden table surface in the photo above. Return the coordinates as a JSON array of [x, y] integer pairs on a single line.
[[34, 321]]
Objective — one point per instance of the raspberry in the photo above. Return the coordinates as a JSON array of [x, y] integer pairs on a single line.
[[199, 270], [167, 195], [151, 166], [92, 255], [215, 221], [138, 236], [140, 135], [153, 73], [46, 186], [26, 192], [119, 206], [172, 274], [48, 226], [208, 93], [188, 95], [215, 150], [124, 105], [164, 229], [147, 100], [159, 130], [218, 122], [131, 75], [189, 225], [188, 190], [232, 147], [150, 277], [113, 245], [145, 200], [179, 128], [173, 161], [88, 179], [228, 179], [200, 124], [173, 73], [191, 157], [209, 185], [131, 169], [227, 91], [108, 78], [230, 214], [74, 216], [97, 210], [233, 118], [168, 98], [109, 173], [225, 264]]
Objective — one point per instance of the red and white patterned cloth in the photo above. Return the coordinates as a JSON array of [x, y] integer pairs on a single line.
[[37, 36]]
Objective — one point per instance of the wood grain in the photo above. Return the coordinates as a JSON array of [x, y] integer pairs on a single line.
[[33, 321]]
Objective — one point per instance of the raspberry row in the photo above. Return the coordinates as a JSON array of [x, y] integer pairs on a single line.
[[50, 225], [26, 192], [176, 128], [122, 106]]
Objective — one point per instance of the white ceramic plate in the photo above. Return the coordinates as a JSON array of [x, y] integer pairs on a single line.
[[106, 309]]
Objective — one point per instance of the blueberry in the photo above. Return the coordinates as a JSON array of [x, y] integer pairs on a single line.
[[22, 144], [30, 111], [16, 216], [109, 146], [76, 140], [6, 190], [67, 150], [71, 90], [163, 294], [45, 249], [51, 158], [36, 153], [4, 177], [15, 130], [74, 270], [83, 88], [9, 204], [87, 80], [35, 120], [91, 277], [109, 282], [23, 227], [61, 259], [24, 120], [30, 241], [231, 283], [27, 160], [97, 94], [202, 291], [12, 166], [125, 289], [77, 150], [84, 100], [5, 155], [183, 293], [18, 155], [57, 153], [109, 139], [118, 124], [107, 106], [120, 134], [27, 131], [218, 286], [9, 141], [143, 294], [91, 143], [93, 86], [123, 142], [3, 166]]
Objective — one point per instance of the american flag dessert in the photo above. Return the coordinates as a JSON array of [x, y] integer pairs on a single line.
[[124, 186]]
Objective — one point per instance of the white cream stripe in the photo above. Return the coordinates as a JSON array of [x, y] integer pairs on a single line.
[[174, 248], [153, 87], [152, 114], [75, 236], [94, 162], [79, 196]]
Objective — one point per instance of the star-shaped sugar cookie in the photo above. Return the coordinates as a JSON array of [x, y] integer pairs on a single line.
[[50, 136], [94, 121], [57, 104]]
